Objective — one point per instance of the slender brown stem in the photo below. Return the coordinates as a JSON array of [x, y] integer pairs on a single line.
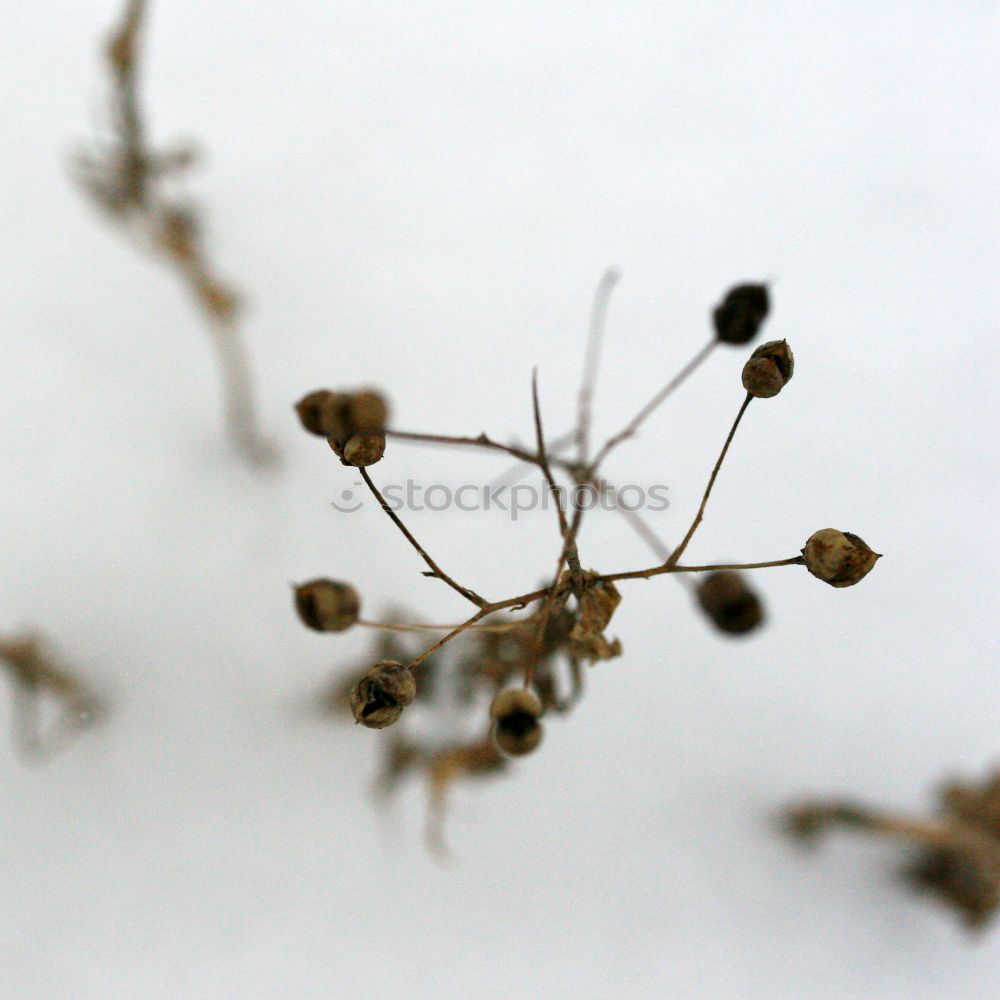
[[633, 425], [521, 601], [123, 179], [238, 395], [403, 627], [640, 526], [482, 441], [595, 339], [469, 595], [457, 630], [810, 819], [543, 460], [645, 574], [679, 551]]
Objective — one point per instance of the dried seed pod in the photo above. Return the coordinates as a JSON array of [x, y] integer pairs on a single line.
[[327, 605], [367, 412], [838, 557], [378, 699], [310, 410], [738, 317], [730, 602], [515, 713], [360, 450], [769, 368]]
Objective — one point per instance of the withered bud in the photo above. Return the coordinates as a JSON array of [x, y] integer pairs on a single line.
[[597, 604], [368, 412], [838, 557], [325, 413], [327, 605], [378, 699], [515, 713], [966, 877], [738, 317], [359, 450], [769, 368], [730, 602]]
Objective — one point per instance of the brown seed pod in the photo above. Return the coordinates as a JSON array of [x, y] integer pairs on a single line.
[[359, 450], [310, 410], [730, 603], [515, 713], [378, 699], [327, 605], [769, 368], [838, 557], [738, 317], [367, 412]]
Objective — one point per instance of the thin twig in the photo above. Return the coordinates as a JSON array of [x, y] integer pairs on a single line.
[[402, 627], [645, 574], [633, 425], [595, 339], [436, 571], [521, 601], [679, 551], [482, 441], [543, 460]]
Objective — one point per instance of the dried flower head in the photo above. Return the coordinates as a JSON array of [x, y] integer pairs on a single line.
[[957, 853], [516, 727], [838, 557], [770, 367], [340, 415], [327, 605], [378, 699], [738, 317], [731, 604], [527, 651]]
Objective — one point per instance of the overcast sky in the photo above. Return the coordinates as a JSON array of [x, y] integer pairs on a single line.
[[422, 197]]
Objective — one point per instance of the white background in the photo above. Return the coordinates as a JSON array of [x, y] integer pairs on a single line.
[[423, 196]]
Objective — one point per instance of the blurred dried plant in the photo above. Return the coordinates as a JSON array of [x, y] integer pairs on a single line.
[[545, 650], [956, 854], [36, 676], [136, 187]]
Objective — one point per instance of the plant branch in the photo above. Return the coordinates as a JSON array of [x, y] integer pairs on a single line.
[[679, 551], [469, 595], [645, 574], [633, 425], [595, 339], [482, 441]]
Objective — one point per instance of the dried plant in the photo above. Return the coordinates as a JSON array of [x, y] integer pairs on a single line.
[[569, 617], [956, 854], [137, 187], [36, 676]]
